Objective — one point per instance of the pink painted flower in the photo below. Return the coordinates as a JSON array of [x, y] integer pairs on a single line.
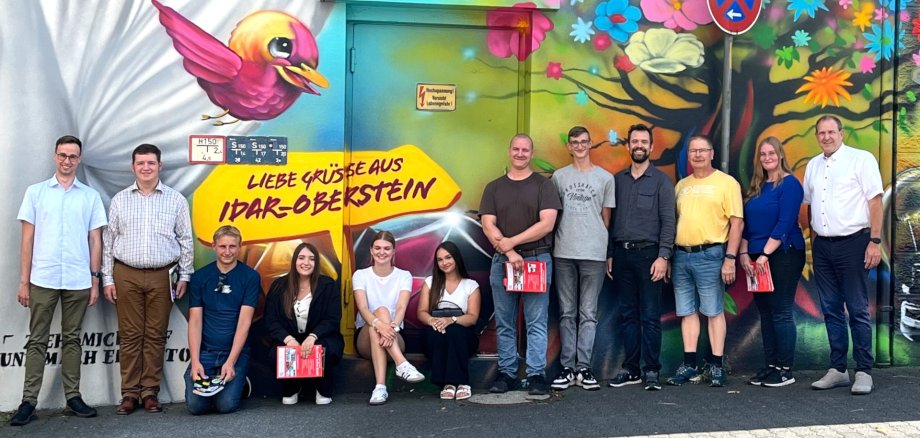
[[881, 14], [867, 64], [905, 16], [554, 70], [622, 63], [844, 3], [916, 57], [676, 14], [602, 42], [508, 25]]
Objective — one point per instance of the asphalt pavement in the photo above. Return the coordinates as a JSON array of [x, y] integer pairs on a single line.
[[627, 411]]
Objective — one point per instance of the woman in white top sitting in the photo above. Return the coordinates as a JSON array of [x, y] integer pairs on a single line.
[[449, 303], [381, 297]]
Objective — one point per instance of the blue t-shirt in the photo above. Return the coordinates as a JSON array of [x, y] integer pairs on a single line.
[[221, 296], [774, 213]]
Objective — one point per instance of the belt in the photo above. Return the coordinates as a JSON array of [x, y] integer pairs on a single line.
[[635, 245], [698, 248], [534, 252], [848, 236], [161, 268]]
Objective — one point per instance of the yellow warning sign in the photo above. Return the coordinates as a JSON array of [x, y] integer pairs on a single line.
[[436, 97]]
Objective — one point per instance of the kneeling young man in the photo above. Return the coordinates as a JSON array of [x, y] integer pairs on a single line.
[[222, 298]]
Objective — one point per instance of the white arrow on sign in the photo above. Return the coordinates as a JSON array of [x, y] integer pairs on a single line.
[[732, 14]]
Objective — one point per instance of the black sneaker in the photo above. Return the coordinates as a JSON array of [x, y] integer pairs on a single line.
[[624, 377], [757, 380], [502, 384], [779, 377], [586, 380], [76, 406], [565, 379], [24, 414], [537, 385], [651, 381]]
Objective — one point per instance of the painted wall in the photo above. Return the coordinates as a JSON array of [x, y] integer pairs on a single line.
[[362, 157]]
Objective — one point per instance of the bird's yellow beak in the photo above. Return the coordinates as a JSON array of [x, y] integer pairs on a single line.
[[302, 77]]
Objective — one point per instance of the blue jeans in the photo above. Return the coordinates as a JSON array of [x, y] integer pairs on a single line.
[[777, 322], [639, 306], [578, 283], [223, 402], [697, 278], [535, 314], [840, 274]]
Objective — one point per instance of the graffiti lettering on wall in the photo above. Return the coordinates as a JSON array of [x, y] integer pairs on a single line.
[[98, 348]]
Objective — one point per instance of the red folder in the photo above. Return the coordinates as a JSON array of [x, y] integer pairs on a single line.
[[530, 278], [291, 365], [762, 282]]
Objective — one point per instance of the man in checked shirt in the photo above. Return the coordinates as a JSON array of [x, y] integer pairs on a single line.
[[149, 232]]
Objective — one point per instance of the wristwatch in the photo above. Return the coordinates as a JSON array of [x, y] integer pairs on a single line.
[[453, 318], [730, 256], [97, 274], [875, 240]]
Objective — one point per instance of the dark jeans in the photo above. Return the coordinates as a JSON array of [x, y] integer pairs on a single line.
[[639, 307], [223, 402], [840, 274], [450, 354], [777, 323], [323, 384]]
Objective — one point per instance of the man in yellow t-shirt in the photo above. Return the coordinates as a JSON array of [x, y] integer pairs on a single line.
[[709, 223]]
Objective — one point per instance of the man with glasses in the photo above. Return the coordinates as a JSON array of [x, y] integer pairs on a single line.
[[222, 299], [709, 223], [149, 232], [587, 195], [641, 242], [60, 254]]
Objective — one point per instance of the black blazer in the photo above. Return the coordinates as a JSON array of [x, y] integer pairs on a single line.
[[324, 320]]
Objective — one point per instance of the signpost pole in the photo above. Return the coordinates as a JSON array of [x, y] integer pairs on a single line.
[[726, 101]]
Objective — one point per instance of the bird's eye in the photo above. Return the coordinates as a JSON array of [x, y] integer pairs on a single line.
[[280, 47]]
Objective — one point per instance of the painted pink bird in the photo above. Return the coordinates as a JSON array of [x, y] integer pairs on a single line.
[[270, 60]]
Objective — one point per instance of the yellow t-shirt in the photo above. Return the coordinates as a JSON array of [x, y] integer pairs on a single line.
[[704, 206]]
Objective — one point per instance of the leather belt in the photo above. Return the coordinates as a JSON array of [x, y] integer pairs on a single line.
[[698, 248], [635, 245], [161, 268], [848, 236], [534, 252]]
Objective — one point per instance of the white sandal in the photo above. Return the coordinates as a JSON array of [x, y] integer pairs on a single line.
[[449, 392], [464, 392]]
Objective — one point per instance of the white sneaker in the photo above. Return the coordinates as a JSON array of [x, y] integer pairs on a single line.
[[379, 396], [408, 373], [292, 400], [833, 379], [320, 400]]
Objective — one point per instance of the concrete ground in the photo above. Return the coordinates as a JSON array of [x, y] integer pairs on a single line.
[[737, 410]]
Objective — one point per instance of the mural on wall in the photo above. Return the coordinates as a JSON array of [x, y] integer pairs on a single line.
[[362, 157]]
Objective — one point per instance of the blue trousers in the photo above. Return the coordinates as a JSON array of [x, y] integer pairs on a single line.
[[226, 401], [536, 306]]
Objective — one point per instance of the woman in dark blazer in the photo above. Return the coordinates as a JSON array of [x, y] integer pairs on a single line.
[[304, 309]]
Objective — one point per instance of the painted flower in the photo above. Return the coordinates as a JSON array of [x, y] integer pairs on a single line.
[[612, 137], [582, 31], [554, 70], [916, 57], [801, 38], [618, 18], [890, 4], [807, 6], [507, 25], [826, 85], [866, 64], [581, 97], [844, 3], [602, 42], [572, 2], [677, 14], [664, 51], [881, 14], [881, 41], [864, 16], [622, 63], [904, 16], [915, 28]]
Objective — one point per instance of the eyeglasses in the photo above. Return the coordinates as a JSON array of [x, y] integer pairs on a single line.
[[220, 282], [698, 151], [580, 143], [64, 157]]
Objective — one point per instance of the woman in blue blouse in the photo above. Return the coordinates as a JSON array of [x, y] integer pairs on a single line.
[[772, 233]]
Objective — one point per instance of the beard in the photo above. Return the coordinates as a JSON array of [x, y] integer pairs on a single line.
[[639, 156]]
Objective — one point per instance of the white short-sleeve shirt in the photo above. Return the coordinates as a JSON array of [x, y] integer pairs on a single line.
[[461, 295], [838, 189], [381, 291]]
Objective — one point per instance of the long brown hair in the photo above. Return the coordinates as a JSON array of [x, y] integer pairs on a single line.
[[438, 278], [759, 175], [387, 236], [293, 278]]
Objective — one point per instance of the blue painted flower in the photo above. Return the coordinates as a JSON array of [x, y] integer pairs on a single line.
[[572, 2], [881, 41], [582, 31], [612, 136], [581, 97], [618, 18], [807, 6], [801, 38], [902, 4]]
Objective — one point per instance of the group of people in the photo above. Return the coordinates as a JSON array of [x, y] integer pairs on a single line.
[[694, 234]]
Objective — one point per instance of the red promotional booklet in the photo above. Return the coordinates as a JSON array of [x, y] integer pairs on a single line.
[[530, 278], [762, 282], [291, 365]]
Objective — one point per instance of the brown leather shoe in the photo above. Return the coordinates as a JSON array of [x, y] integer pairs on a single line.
[[127, 406], [151, 404]]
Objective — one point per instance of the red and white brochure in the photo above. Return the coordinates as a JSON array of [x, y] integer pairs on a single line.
[[530, 278], [762, 282], [291, 365]]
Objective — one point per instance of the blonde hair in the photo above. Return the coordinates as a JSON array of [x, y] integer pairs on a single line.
[[759, 175]]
